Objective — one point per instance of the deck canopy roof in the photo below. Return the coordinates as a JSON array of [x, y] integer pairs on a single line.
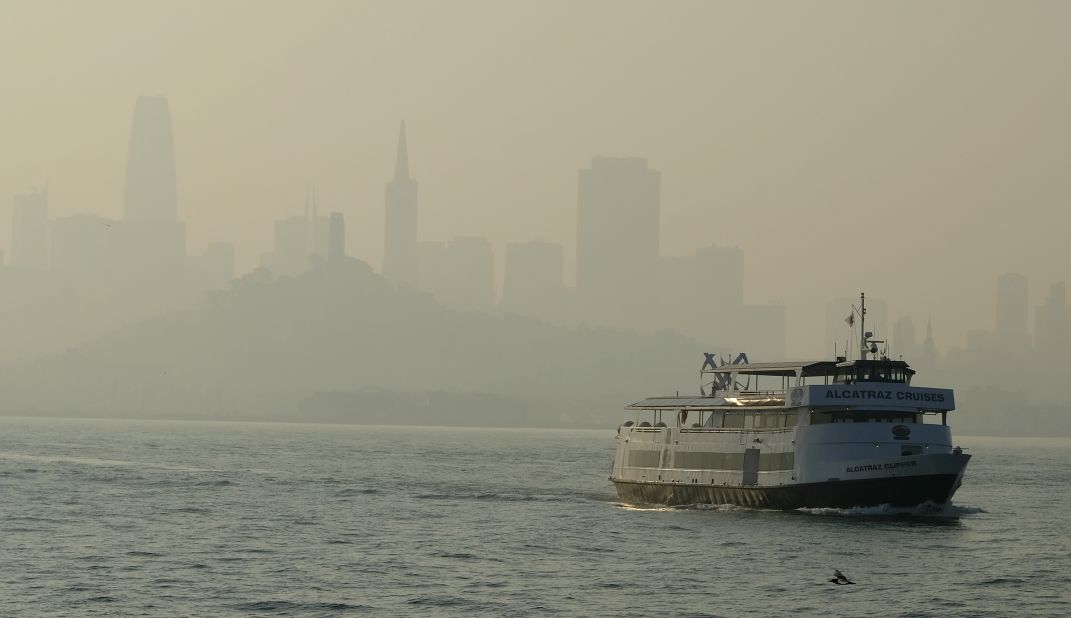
[[785, 368], [751, 400], [677, 403], [806, 368]]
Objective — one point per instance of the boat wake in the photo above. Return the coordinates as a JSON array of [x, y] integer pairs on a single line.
[[922, 511], [926, 510]]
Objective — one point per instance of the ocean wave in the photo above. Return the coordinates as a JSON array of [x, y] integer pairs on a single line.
[[356, 491], [456, 556], [1014, 582], [102, 599], [298, 606], [191, 509], [452, 602], [216, 483]]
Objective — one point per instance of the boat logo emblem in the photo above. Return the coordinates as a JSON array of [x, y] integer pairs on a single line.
[[796, 396], [901, 432]]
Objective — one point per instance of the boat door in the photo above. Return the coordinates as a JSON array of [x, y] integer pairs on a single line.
[[751, 466]]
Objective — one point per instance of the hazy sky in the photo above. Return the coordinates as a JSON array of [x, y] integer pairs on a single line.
[[915, 150]]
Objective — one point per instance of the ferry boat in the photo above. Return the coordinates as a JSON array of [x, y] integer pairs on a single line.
[[827, 433]]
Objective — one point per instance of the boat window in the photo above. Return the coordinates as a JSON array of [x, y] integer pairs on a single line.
[[734, 421], [821, 418], [872, 371], [775, 421]]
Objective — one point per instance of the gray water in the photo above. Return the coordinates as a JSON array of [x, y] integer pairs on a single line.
[[207, 519]]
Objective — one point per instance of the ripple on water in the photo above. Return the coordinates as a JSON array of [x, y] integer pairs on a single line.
[[299, 606], [356, 491]]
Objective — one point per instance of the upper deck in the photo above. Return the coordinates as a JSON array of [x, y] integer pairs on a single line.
[[879, 384], [837, 372]]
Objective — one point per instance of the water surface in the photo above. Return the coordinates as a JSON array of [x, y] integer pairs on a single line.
[[170, 518]]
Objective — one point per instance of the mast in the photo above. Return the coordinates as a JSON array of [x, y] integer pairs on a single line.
[[862, 325]]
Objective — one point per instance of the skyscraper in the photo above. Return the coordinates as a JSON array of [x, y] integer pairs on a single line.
[[29, 229], [533, 284], [904, 340], [1051, 320], [150, 164], [459, 273], [85, 248], [336, 241], [298, 239], [927, 360], [617, 246], [213, 269], [400, 240], [720, 274], [153, 240], [1012, 309]]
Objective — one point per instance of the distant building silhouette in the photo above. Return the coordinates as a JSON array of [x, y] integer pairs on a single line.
[[703, 298], [1051, 321], [459, 273], [617, 241], [1012, 310], [533, 285], [86, 248], [720, 273], [928, 358], [297, 239], [150, 165], [904, 340], [29, 230], [336, 242], [213, 269], [400, 259]]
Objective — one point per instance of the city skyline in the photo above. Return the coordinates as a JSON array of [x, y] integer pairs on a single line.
[[785, 145], [151, 228]]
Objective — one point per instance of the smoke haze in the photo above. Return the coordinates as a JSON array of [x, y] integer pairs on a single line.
[[914, 150]]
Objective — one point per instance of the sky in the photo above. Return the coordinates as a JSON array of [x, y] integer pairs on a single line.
[[914, 150]]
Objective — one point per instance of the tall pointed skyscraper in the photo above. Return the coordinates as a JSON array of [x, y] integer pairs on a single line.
[[150, 164], [400, 241], [152, 240]]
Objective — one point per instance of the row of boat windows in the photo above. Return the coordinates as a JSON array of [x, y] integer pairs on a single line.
[[873, 372], [775, 420], [693, 460], [742, 420], [819, 418]]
